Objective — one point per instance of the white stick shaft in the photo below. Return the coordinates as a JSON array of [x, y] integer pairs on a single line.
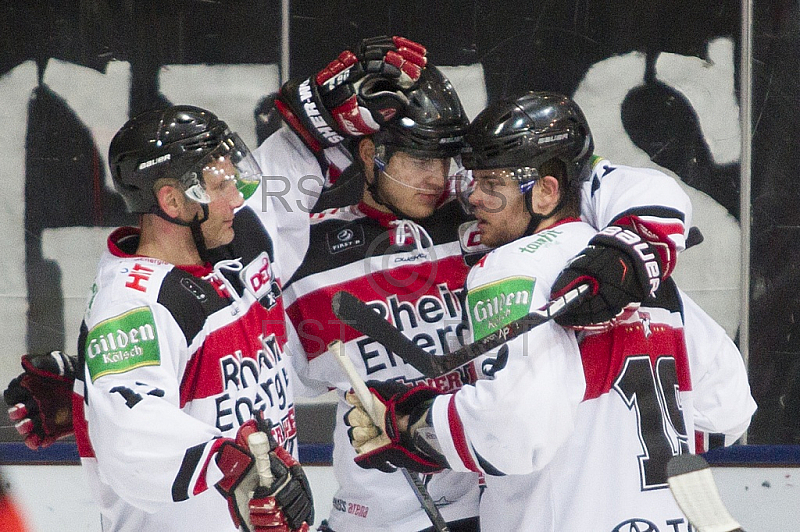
[[259, 446], [359, 387]]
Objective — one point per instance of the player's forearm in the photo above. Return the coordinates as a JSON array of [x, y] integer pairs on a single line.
[[723, 402], [145, 451], [293, 172], [516, 422]]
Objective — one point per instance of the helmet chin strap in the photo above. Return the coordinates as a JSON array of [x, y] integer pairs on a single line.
[[194, 224], [197, 234], [373, 189], [412, 187], [536, 219]]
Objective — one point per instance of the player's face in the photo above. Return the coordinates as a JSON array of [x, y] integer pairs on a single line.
[[414, 185], [219, 183], [498, 204]]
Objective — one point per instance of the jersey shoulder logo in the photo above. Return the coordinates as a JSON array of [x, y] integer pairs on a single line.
[[259, 279], [344, 238], [123, 343], [542, 239], [138, 276], [493, 305]]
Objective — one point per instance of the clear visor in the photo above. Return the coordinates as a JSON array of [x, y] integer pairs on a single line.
[[231, 160], [464, 182], [462, 185]]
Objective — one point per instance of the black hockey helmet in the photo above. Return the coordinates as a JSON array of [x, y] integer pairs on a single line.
[[433, 124], [176, 142], [524, 132]]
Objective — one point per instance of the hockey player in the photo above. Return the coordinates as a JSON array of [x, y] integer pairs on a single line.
[[317, 110], [178, 359], [571, 436], [398, 247]]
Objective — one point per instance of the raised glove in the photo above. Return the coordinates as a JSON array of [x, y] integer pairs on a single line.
[[392, 445], [622, 270], [355, 94], [40, 399], [283, 506]]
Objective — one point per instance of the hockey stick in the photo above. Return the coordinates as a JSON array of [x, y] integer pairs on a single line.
[[365, 396], [690, 480], [355, 313], [259, 447]]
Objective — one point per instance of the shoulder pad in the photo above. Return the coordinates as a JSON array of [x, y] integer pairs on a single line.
[[190, 300]]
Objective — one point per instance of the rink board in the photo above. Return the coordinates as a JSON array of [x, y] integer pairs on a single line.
[[759, 484]]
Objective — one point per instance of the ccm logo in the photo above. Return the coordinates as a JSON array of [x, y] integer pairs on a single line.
[[642, 249]]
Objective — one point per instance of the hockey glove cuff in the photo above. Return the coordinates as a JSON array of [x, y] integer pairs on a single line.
[[388, 446], [284, 505], [622, 270], [290, 490]]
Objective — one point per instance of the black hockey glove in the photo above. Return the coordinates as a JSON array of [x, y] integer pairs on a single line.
[[285, 505], [622, 270], [355, 94], [40, 399], [387, 447]]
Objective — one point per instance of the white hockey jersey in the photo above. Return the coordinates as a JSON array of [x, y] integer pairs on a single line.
[[582, 434], [174, 359], [172, 363], [415, 279]]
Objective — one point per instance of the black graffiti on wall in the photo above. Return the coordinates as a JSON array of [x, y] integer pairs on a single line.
[[546, 45]]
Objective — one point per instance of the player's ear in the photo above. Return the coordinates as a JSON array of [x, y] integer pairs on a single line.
[[366, 151], [546, 194], [170, 199]]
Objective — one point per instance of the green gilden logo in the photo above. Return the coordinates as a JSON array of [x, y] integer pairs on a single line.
[[496, 304], [122, 343]]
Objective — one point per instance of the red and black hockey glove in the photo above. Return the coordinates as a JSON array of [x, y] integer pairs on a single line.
[[287, 502], [285, 505], [355, 94], [622, 269], [40, 399], [387, 447]]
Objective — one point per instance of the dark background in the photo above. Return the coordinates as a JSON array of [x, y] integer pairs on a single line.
[[547, 45]]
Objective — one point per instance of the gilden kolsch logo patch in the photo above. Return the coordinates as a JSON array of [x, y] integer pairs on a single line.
[[122, 343]]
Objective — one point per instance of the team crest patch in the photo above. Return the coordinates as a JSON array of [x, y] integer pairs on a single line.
[[122, 343], [345, 238], [259, 279], [494, 305]]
